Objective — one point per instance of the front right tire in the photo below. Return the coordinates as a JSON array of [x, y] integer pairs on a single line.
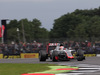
[[55, 56], [79, 58], [80, 55]]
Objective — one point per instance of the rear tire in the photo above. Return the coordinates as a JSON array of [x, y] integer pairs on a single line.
[[80, 55], [79, 58], [42, 55]]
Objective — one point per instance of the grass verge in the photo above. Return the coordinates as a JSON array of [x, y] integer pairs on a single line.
[[17, 69]]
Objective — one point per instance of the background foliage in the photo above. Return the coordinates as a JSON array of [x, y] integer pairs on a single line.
[[78, 24], [32, 30]]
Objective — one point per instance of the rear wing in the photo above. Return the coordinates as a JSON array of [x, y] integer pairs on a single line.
[[54, 44], [51, 46]]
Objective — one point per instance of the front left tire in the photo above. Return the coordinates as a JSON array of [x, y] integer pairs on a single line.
[[42, 55]]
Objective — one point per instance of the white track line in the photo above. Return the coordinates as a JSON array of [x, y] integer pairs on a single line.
[[90, 68], [70, 74]]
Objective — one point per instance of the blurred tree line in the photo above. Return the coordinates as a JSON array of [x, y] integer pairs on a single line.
[[78, 24], [32, 30]]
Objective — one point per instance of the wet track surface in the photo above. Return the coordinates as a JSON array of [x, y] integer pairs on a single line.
[[90, 66]]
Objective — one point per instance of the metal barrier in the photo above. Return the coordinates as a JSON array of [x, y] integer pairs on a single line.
[[1, 56], [36, 55], [88, 55], [29, 55]]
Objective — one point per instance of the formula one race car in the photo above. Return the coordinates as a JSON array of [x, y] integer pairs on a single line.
[[57, 52]]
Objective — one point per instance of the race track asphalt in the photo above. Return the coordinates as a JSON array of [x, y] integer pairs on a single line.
[[89, 60]]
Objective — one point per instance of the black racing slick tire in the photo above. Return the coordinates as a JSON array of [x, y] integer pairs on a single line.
[[54, 56], [42, 55], [79, 58], [80, 52], [80, 55]]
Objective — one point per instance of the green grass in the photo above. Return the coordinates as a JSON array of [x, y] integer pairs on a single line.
[[18, 69]]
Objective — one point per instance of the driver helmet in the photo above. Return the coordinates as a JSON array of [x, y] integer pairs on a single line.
[[61, 48]]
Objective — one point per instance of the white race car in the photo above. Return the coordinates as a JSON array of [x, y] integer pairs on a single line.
[[60, 53]]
